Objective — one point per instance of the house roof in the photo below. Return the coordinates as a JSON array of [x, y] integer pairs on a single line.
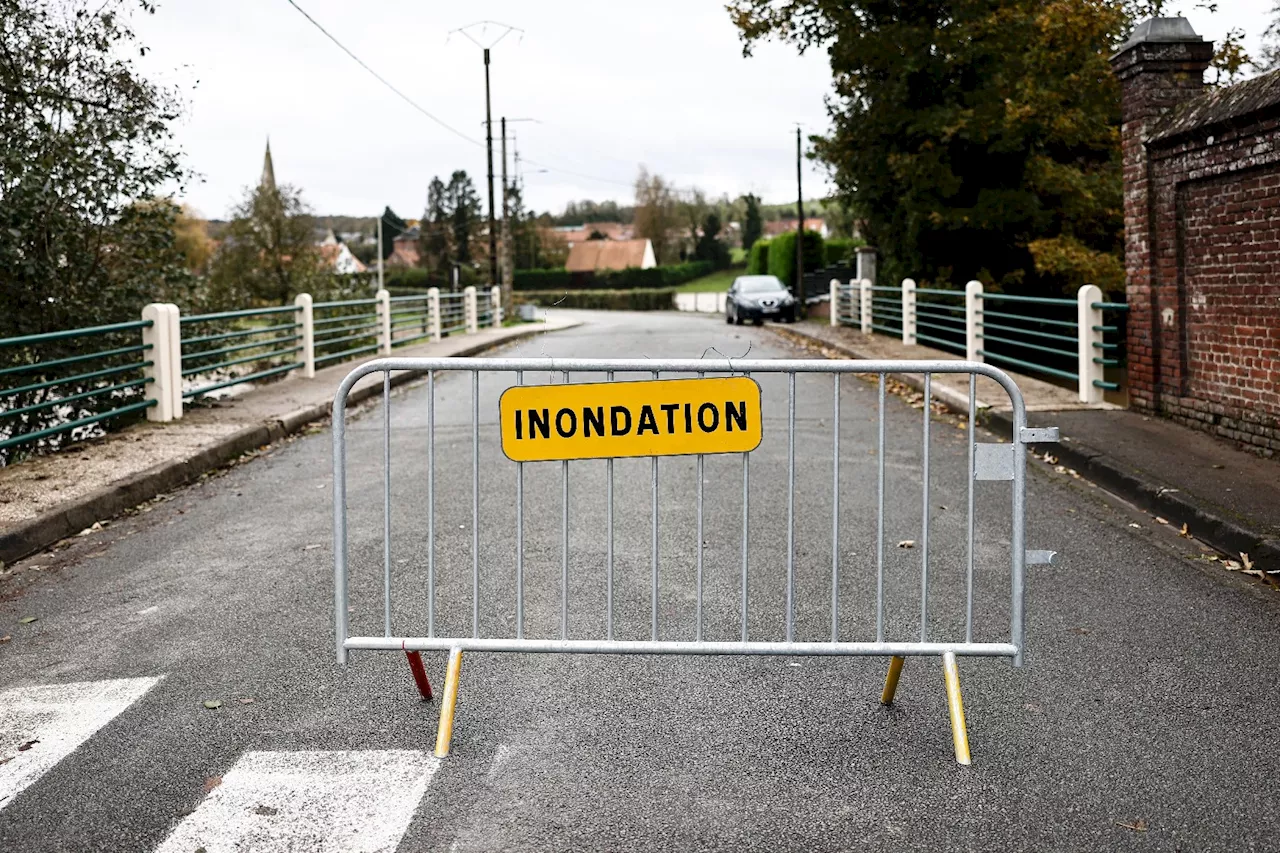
[[592, 255], [1226, 105]]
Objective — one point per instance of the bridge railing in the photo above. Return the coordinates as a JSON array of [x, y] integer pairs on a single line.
[[63, 386], [1067, 339]]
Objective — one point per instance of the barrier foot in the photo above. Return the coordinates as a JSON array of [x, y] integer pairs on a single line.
[[444, 733], [891, 680], [419, 675], [959, 734]]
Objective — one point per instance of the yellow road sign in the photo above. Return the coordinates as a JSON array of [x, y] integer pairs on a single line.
[[663, 417]]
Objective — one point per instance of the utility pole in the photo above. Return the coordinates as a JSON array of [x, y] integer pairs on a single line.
[[506, 224], [799, 288], [488, 128], [380, 215]]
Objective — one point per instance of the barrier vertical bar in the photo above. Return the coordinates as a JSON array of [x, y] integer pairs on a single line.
[[386, 501], [973, 321], [697, 633], [654, 595], [495, 307], [880, 514], [835, 509], [564, 542], [384, 322], [475, 503], [835, 302], [340, 527], [864, 294], [305, 317], [968, 610], [431, 503], [469, 309], [433, 310], [519, 537], [924, 520], [1089, 333], [746, 517], [791, 505], [608, 582], [908, 312]]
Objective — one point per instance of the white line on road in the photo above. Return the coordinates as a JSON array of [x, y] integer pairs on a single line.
[[337, 802], [41, 725]]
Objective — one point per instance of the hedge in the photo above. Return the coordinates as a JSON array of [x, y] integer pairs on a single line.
[[631, 278], [607, 300], [758, 258], [782, 255]]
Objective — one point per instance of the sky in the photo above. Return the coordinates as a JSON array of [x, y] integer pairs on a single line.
[[610, 86]]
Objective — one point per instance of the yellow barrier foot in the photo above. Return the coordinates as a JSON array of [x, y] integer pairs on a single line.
[[891, 680], [959, 734], [444, 733]]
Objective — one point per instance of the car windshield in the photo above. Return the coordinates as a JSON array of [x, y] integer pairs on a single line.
[[763, 284]]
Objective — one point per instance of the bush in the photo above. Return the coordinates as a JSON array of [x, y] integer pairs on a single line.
[[840, 250], [607, 300], [758, 258], [782, 255], [541, 279]]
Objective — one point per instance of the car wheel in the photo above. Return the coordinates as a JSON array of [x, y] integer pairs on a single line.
[[728, 318], [759, 321]]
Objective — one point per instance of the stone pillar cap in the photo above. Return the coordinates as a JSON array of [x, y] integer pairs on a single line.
[[1161, 31]]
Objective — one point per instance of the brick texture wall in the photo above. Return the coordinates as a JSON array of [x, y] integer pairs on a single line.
[[1202, 243]]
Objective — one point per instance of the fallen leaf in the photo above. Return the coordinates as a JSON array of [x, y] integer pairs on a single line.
[[1136, 826], [1184, 532], [1232, 565], [6, 638], [27, 620], [1219, 466], [246, 700], [211, 783], [211, 704], [311, 547], [1244, 558], [266, 810], [23, 747], [1160, 520], [907, 543], [1139, 526]]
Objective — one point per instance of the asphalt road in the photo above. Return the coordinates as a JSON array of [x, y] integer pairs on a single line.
[[1142, 718]]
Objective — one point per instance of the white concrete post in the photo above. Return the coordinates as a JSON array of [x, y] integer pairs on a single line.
[[165, 356], [469, 302], [495, 303], [433, 312], [973, 321], [864, 293], [384, 321], [835, 302], [1088, 319], [908, 312], [307, 330]]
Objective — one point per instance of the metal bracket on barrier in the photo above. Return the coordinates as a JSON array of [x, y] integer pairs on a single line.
[[1036, 435], [1041, 558], [992, 461]]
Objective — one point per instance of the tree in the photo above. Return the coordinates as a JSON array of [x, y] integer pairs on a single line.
[[1269, 58], [693, 210], [191, 239], [655, 215], [752, 226], [269, 252], [437, 228], [709, 247], [976, 139], [463, 205], [392, 227]]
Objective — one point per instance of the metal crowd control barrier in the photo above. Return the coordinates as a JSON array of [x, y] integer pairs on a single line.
[[985, 461]]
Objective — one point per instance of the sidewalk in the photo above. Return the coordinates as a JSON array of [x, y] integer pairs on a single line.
[[48, 498], [1226, 497]]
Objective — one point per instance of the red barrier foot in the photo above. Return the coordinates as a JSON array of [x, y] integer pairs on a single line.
[[419, 675]]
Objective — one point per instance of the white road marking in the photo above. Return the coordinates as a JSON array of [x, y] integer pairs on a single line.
[[337, 802], [51, 721]]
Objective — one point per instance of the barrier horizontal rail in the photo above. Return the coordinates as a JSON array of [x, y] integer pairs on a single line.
[[984, 462]]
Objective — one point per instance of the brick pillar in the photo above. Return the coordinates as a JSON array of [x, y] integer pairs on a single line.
[[1161, 65]]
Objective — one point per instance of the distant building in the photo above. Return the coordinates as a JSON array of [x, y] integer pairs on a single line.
[[404, 250], [593, 255], [573, 234], [784, 226]]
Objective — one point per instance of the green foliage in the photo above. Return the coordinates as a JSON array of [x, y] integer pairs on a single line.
[[965, 131], [541, 279], [86, 145], [782, 255], [392, 227], [709, 247], [632, 278], [607, 300], [841, 249], [752, 225], [268, 253], [758, 258]]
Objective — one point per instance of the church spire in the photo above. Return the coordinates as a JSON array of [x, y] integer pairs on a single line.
[[268, 170]]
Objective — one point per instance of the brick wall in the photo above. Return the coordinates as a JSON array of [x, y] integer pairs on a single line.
[[1202, 239]]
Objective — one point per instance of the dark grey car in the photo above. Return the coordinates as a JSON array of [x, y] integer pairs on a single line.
[[758, 298]]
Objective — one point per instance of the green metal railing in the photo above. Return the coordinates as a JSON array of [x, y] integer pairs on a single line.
[[453, 313], [886, 313], [345, 328], [70, 384], [1104, 330], [1022, 335], [264, 347], [938, 321], [410, 319]]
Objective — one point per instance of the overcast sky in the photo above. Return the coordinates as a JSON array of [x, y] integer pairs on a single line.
[[612, 86]]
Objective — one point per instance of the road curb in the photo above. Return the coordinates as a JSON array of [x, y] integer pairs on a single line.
[[1158, 498], [28, 537]]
